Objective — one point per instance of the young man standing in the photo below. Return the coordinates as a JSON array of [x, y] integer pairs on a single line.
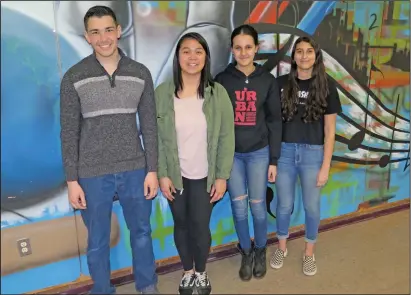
[[102, 152]]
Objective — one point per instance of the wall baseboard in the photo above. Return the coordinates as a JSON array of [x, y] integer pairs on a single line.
[[125, 276]]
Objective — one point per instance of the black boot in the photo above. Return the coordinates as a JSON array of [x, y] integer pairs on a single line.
[[246, 270], [260, 265]]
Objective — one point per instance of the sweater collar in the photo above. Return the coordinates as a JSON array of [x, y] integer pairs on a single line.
[[120, 52]]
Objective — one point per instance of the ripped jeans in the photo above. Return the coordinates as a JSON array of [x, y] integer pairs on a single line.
[[248, 185]]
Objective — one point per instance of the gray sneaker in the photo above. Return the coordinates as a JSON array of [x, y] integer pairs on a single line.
[[150, 290]]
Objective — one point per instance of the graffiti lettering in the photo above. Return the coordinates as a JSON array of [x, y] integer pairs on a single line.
[[373, 26]]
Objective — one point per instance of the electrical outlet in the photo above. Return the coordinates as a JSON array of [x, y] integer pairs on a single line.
[[23, 246]]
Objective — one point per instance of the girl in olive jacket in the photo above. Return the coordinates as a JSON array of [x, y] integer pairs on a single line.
[[196, 149]]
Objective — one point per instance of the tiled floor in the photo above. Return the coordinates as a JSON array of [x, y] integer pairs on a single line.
[[371, 257]]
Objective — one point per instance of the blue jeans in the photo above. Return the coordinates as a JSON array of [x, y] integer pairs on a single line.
[[99, 192], [249, 174], [303, 160]]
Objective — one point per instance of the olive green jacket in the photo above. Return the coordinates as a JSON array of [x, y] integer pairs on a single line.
[[219, 115]]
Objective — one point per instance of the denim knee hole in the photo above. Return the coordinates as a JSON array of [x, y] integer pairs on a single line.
[[257, 209], [240, 208]]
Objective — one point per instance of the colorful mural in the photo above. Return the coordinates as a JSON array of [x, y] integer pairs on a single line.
[[367, 52]]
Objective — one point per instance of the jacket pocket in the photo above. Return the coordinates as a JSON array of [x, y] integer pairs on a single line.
[[163, 126]]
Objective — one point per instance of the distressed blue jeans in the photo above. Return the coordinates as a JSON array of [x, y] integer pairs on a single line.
[[248, 185], [99, 192], [303, 161]]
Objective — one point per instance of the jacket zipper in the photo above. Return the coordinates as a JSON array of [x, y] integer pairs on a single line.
[[113, 76]]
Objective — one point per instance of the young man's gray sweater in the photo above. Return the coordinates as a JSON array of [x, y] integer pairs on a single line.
[[98, 119]]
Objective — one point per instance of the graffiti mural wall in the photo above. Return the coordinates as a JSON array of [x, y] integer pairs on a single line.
[[367, 52]]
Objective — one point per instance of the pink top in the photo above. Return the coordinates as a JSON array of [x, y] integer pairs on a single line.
[[191, 128]]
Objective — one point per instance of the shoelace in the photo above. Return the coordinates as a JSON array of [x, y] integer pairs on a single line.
[[202, 279], [185, 282]]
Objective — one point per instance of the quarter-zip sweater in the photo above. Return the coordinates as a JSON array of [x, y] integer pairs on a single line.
[[99, 133], [220, 134], [257, 109]]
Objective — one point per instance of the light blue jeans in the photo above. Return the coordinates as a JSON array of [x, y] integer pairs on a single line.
[[304, 161], [248, 185]]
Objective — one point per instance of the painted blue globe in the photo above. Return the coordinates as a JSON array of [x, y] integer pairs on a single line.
[[31, 163]]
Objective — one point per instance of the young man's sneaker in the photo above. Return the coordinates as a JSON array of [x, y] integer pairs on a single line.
[[187, 283], [309, 265], [150, 290], [202, 283], [277, 260]]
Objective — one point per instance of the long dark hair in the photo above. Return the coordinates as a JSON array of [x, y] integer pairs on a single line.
[[318, 89], [245, 30], [206, 78]]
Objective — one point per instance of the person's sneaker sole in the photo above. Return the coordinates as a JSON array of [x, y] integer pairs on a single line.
[[310, 273], [274, 266], [195, 292], [185, 292]]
